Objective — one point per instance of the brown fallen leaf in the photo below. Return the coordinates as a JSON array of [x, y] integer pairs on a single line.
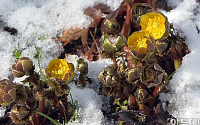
[[74, 34], [95, 14], [103, 8]]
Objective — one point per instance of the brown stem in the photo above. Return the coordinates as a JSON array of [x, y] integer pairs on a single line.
[[149, 2], [36, 120], [41, 102], [126, 25], [155, 94], [57, 103], [154, 5], [127, 90], [114, 61], [120, 93]]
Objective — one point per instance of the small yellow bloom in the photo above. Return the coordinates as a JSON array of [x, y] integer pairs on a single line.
[[155, 24], [138, 41], [61, 69]]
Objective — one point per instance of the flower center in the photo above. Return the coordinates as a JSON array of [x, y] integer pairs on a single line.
[[141, 43], [60, 70], [156, 27]]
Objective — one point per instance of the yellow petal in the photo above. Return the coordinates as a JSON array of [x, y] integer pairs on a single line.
[[154, 24], [59, 68], [138, 42]]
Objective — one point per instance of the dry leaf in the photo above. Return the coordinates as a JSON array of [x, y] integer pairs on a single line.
[[95, 14], [72, 34]]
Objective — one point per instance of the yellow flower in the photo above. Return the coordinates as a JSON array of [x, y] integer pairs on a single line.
[[138, 41], [155, 24], [61, 69]]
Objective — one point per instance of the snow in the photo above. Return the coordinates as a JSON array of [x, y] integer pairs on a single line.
[[89, 106], [35, 19]]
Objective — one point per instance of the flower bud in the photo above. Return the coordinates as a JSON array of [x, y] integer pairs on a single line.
[[154, 75], [108, 76], [82, 66], [113, 44], [10, 92], [140, 9], [22, 66], [141, 96], [111, 24], [7, 92], [133, 74], [19, 114]]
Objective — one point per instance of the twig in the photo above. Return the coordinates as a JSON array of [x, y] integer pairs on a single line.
[[96, 44]]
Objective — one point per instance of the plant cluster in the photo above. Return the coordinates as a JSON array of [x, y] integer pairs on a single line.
[[40, 95], [148, 55], [145, 49]]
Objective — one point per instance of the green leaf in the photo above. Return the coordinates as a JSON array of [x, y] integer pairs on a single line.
[[116, 102], [46, 116], [42, 38], [74, 105], [117, 109], [121, 123], [124, 107], [125, 102], [17, 53]]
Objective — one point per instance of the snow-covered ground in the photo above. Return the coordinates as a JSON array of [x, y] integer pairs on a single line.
[[35, 19]]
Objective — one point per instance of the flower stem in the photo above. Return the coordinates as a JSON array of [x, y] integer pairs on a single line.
[[56, 102], [36, 120], [126, 25], [149, 2], [114, 61], [120, 93], [39, 65], [155, 94], [41, 102]]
